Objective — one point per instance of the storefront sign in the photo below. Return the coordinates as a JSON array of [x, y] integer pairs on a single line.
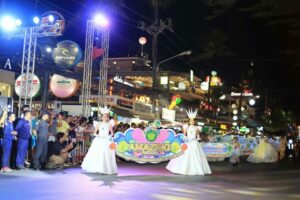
[[109, 100], [67, 53], [63, 87], [34, 85], [168, 114], [238, 94], [152, 146], [142, 108], [118, 79], [38, 106], [125, 103]]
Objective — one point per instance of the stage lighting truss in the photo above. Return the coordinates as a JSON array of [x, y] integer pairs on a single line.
[[29, 35]]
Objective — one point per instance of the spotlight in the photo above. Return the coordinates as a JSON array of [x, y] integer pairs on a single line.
[[51, 18], [49, 49], [233, 106], [235, 112], [235, 118], [252, 102], [18, 22], [8, 23], [36, 20], [101, 20]]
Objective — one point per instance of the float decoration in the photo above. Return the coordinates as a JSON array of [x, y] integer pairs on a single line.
[[151, 146], [176, 100]]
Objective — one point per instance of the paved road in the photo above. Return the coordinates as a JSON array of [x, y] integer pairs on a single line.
[[135, 181]]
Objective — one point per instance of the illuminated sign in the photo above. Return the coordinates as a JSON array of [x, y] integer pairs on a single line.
[[33, 88], [168, 114], [204, 86], [63, 87], [125, 103], [152, 146], [238, 94], [118, 79]]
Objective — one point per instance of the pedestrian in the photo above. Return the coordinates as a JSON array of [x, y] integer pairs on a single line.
[[235, 156], [282, 147], [42, 133], [62, 125], [23, 130], [8, 137], [52, 126], [58, 153], [3, 116]]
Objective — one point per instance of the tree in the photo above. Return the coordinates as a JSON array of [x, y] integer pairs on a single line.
[[277, 119]]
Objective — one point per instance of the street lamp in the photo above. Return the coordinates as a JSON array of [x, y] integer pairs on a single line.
[[185, 53]]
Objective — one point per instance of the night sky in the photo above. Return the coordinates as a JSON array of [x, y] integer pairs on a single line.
[[250, 39]]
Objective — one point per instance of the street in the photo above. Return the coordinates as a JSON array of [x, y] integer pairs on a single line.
[[137, 181]]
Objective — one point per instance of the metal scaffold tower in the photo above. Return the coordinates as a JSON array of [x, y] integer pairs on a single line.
[[87, 68], [93, 26], [46, 28], [103, 67]]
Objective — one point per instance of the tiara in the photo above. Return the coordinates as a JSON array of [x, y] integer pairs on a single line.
[[191, 114], [104, 109]]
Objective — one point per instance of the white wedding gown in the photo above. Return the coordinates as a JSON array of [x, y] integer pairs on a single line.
[[100, 158], [193, 161]]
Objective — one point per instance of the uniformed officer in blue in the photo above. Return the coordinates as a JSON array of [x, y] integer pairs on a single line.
[[23, 130], [8, 137], [42, 132]]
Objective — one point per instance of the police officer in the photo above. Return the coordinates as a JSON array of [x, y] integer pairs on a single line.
[[8, 137], [42, 132], [23, 135]]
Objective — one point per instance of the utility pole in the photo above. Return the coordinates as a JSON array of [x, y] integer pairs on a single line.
[[156, 28]]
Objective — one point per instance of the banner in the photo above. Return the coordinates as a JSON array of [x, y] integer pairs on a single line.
[[151, 146], [247, 144]]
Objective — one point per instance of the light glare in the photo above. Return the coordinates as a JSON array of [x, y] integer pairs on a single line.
[[36, 20], [101, 20], [8, 23], [51, 18], [18, 22]]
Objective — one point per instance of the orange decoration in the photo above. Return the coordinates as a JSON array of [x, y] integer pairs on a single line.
[[184, 147], [112, 146]]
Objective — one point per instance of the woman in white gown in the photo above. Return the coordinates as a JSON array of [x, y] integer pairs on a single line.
[[264, 153], [193, 161], [100, 158]]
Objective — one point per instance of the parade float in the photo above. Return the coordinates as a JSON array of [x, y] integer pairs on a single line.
[[149, 146], [220, 148]]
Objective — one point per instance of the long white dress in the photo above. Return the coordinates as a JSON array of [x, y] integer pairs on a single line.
[[100, 158], [193, 161], [264, 153]]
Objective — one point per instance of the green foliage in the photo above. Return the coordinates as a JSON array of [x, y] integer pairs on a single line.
[[278, 119]]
